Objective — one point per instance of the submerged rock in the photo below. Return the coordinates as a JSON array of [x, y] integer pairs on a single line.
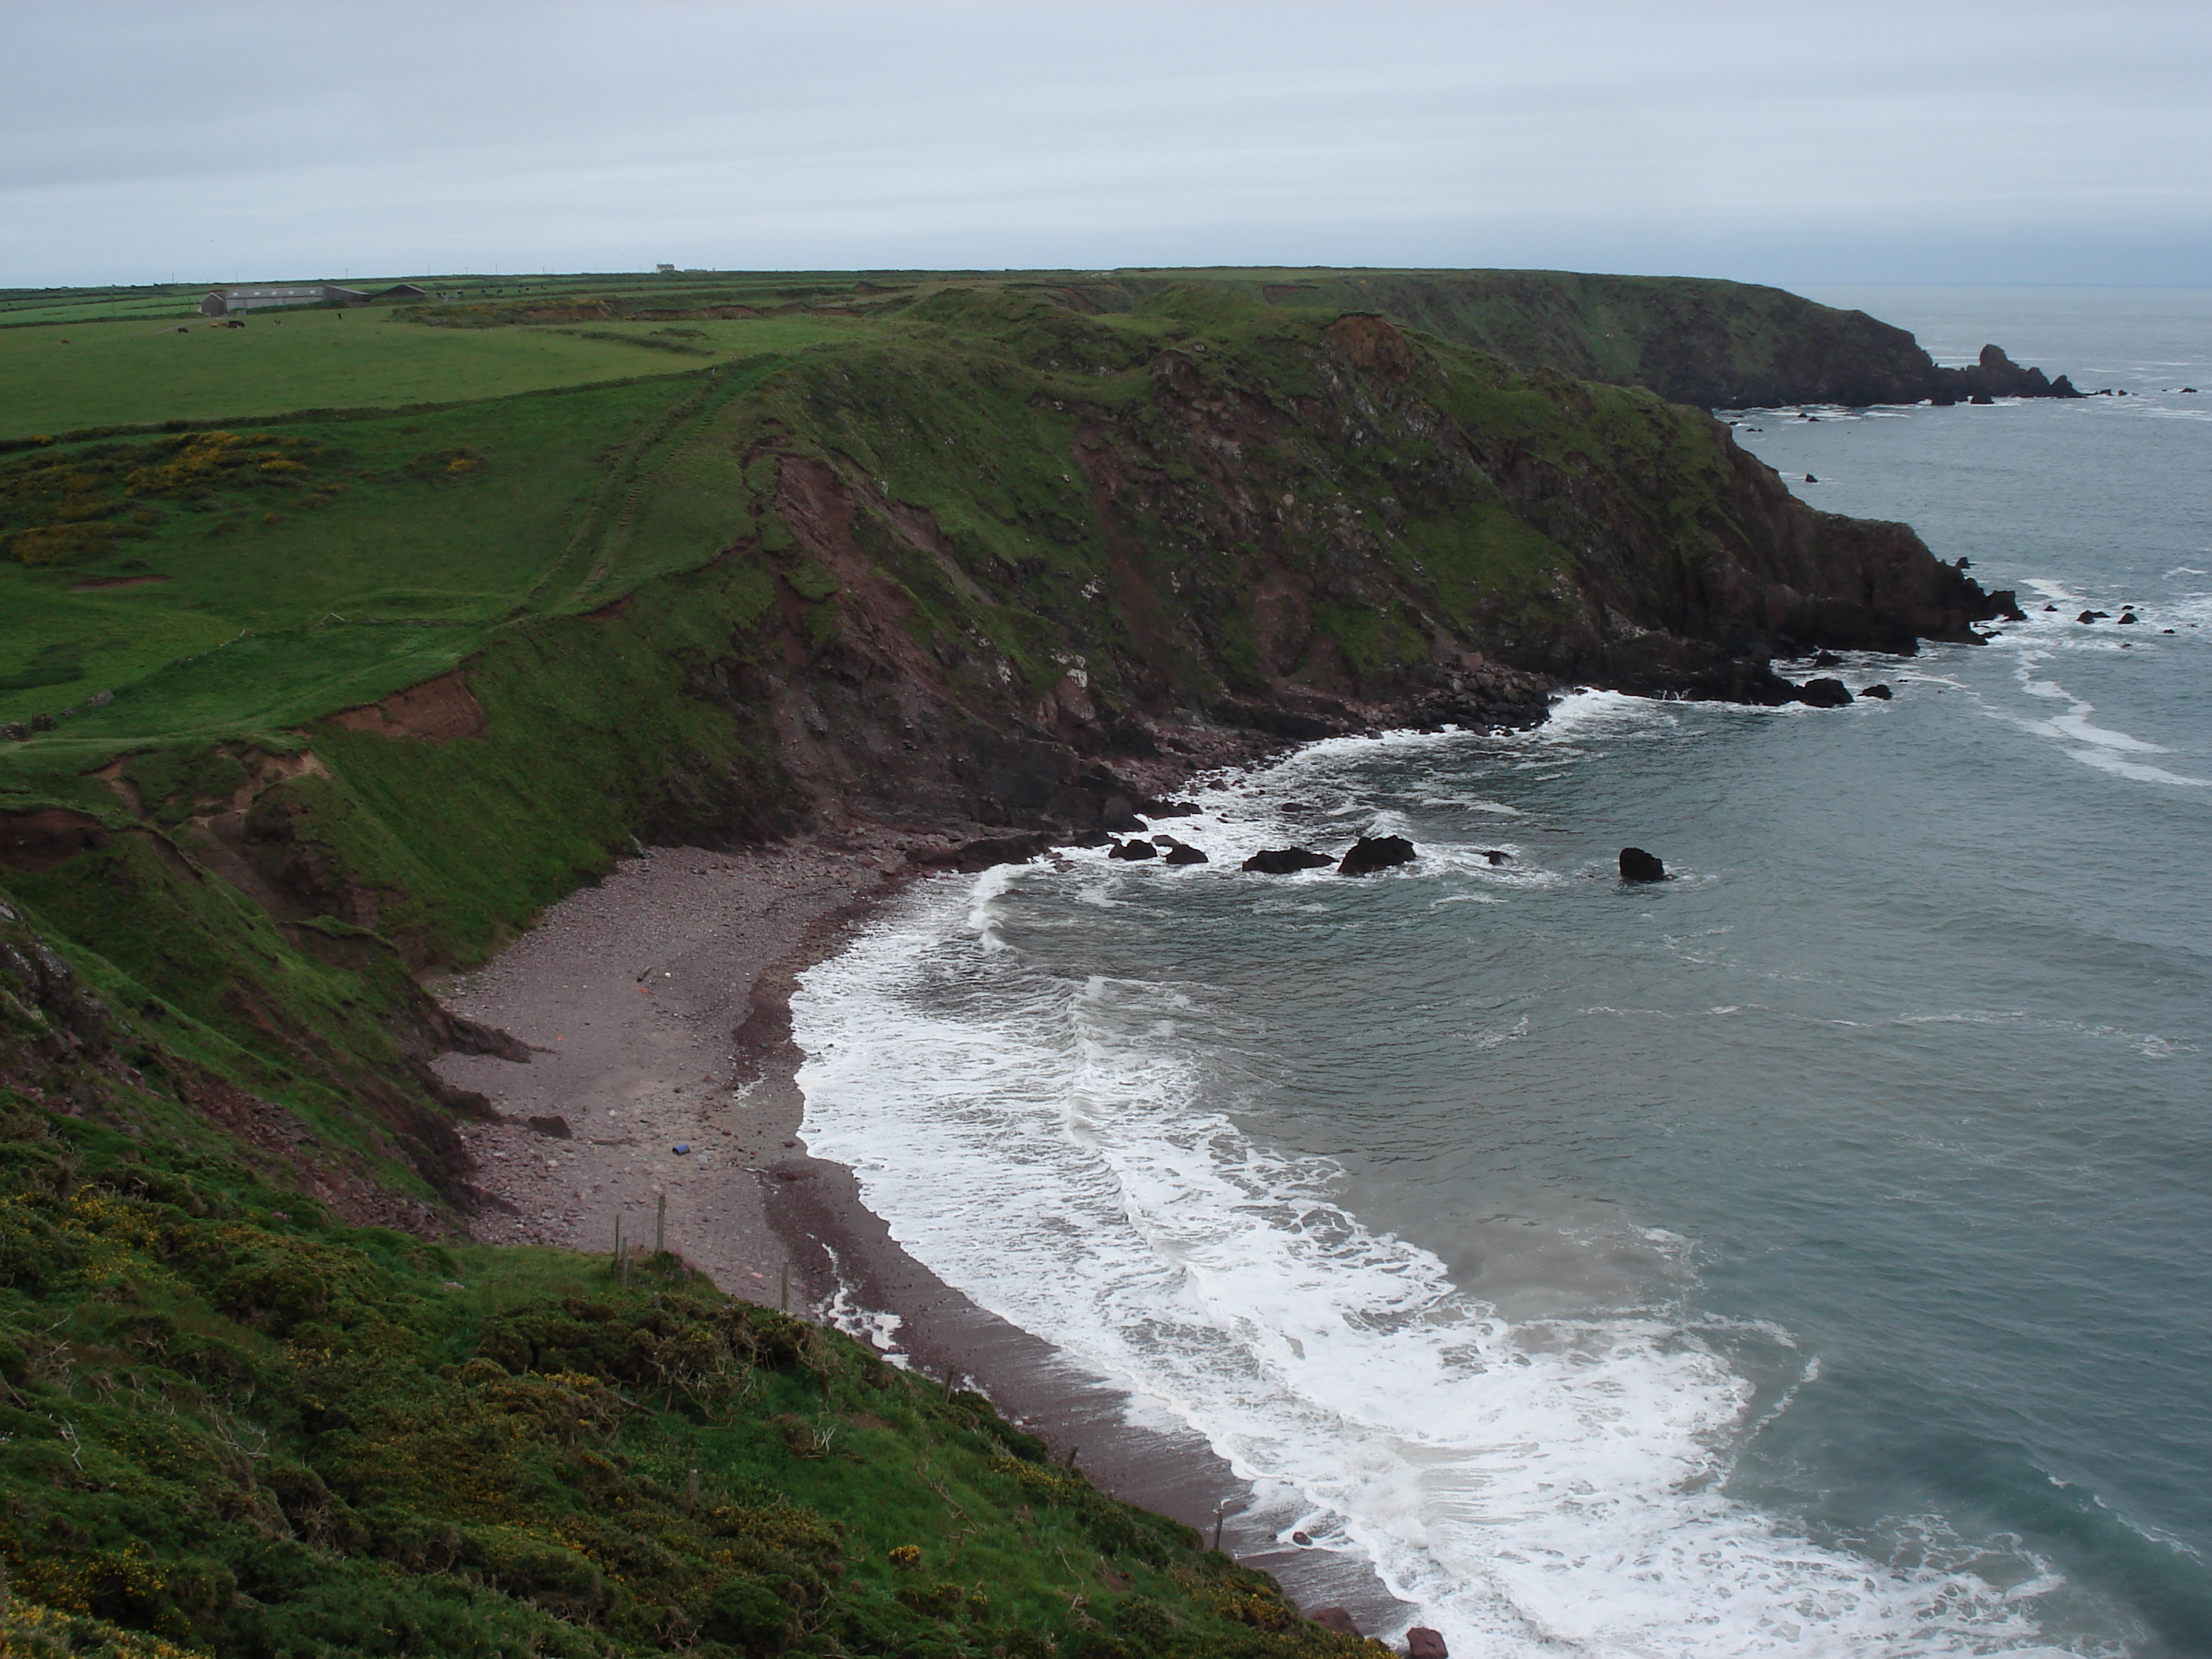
[[1880, 693], [1284, 861], [1496, 856], [1637, 865], [1179, 852], [1133, 850], [2092, 615], [1370, 853]]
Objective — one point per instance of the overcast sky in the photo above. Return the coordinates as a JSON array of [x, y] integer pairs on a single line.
[[1848, 141]]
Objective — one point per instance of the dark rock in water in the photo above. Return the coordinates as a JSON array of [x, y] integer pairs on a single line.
[[1284, 861], [1823, 694], [1809, 479], [557, 1127], [1179, 852], [1171, 809], [1637, 865], [1133, 850], [1119, 814], [982, 854], [2126, 617], [1422, 1643], [2092, 615], [1302, 1540], [2051, 607], [1984, 400], [1879, 693], [1827, 660], [1497, 857], [1369, 854], [1337, 1620], [1092, 838]]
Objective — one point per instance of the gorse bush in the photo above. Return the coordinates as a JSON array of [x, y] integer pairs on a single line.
[[58, 509]]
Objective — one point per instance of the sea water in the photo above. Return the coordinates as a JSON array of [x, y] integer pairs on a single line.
[[1811, 1254]]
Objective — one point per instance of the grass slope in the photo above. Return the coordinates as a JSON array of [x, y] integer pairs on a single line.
[[228, 1424]]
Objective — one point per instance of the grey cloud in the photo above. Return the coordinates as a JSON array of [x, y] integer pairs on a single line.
[[1939, 140]]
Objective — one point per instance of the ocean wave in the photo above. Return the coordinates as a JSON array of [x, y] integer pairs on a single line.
[[1058, 1148], [2101, 747]]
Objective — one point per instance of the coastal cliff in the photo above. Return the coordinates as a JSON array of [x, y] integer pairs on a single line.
[[980, 577], [981, 572], [1715, 344]]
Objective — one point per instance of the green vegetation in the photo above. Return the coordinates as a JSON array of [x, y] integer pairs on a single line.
[[59, 380], [231, 1425]]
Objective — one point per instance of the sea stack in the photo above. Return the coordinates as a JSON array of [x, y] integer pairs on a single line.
[[1637, 865]]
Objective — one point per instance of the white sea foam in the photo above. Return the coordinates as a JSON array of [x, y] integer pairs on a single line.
[[2102, 747], [1057, 1148], [846, 1312]]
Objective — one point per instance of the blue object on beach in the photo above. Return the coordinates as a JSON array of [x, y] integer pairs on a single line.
[[682, 1147]]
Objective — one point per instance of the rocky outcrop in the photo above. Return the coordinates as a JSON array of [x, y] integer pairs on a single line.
[[983, 853], [1371, 854], [1996, 375], [1637, 865], [1285, 861]]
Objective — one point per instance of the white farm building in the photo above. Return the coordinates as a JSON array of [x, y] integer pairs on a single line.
[[224, 301]]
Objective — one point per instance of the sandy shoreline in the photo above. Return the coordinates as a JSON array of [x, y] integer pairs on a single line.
[[655, 1004]]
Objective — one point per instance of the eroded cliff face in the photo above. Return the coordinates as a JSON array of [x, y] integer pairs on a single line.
[[999, 581]]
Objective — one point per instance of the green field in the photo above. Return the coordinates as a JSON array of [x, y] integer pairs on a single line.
[[240, 580], [61, 380]]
